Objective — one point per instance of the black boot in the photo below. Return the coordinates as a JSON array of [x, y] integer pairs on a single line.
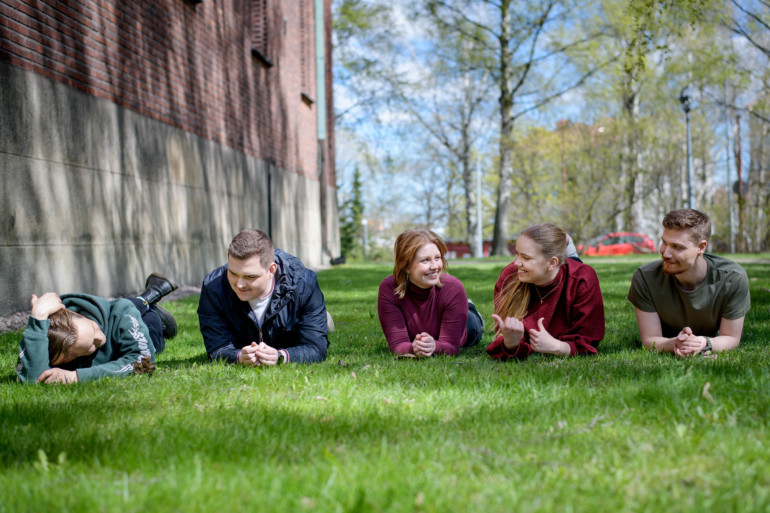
[[157, 286], [167, 322]]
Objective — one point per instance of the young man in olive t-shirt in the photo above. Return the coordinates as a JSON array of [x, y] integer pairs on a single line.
[[689, 302]]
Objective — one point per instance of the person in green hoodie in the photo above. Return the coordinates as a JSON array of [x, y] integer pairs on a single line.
[[79, 337]]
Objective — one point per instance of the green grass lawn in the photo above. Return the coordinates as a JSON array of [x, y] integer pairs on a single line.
[[624, 431]]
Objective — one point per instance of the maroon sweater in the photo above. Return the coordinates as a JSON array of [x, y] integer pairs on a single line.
[[573, 312], [440, 312]]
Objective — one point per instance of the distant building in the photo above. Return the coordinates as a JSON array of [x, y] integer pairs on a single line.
[[140, 136]]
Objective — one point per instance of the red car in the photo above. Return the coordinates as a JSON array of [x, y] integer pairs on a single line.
[[619, 243]]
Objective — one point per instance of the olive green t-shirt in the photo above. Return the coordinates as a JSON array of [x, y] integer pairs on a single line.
[[724, 293]]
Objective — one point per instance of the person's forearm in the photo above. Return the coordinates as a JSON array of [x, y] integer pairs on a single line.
[[120, 367], [563, 349], [582, 345], [497, 349], [511, 341], [309, 352], [401, 348], [33, 351], [447, 348], [659, 344], [724, 343], [227, 353]]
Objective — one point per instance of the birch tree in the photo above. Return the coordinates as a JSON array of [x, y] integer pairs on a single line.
[[528, 48]]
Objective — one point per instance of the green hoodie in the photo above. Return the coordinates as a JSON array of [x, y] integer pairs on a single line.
[[128, 340]]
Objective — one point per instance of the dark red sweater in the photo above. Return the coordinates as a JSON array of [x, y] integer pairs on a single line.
[[573, 312], [439, 312]]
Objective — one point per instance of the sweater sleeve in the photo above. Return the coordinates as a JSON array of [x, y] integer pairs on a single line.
[[586, 323], [498, 350], [392, 319], [33, 351], [130, 342], [453, 319]]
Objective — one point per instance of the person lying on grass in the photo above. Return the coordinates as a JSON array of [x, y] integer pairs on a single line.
[[263, 307], [424, 311], [79, 337], [689, 302], [545, 302]]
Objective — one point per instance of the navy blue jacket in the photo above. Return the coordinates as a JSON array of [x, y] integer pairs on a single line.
[[295, 319]]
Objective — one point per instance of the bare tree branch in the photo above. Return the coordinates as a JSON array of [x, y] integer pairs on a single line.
[[459, 13], [581, 81], [751, 15]]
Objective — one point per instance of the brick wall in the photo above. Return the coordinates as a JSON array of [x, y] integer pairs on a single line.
[[187, 65], [141, 136]]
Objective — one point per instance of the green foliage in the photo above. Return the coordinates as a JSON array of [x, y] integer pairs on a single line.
[[354, 17], [356, 22], [656, 21], [624, 431], [622, 66], [351, 216]]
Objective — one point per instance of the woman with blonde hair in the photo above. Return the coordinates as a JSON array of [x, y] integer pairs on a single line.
[[424, 311], [546, 302]]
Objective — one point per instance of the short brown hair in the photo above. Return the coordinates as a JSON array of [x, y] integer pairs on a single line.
[[694, 221], [252, 242], [62, 334], [406, 247]]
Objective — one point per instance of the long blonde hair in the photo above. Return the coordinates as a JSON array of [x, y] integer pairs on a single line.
[[513, 300], [406, 247]]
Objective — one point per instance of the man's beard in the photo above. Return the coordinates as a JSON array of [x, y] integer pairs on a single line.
[[673, 269]]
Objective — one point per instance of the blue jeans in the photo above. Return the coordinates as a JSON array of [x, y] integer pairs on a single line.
[[152, 320], [474, 326]]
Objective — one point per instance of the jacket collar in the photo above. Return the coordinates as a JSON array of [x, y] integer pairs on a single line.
[[289, 274]]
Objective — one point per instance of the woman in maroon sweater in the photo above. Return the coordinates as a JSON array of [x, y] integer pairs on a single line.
[[545, 302], [424, 311]]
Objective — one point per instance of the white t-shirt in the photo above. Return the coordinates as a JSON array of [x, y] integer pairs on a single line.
[[259, 307]]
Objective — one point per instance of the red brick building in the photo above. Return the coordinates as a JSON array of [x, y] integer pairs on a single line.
[[142, 135]]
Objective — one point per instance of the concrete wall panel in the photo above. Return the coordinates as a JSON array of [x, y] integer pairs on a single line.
[[95, 196]]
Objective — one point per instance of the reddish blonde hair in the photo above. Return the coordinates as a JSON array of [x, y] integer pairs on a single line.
[[406, 247]]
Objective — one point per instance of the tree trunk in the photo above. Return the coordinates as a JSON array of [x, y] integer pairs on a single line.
[[629, 162], [741, 198], [467, 170], [470, 203], [500, 239], [758, 201]]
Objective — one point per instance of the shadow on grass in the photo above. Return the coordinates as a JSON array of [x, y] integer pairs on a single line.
[[177, 363], [8, 379]]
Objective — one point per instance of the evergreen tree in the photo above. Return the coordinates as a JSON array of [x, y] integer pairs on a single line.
[[352, 215]]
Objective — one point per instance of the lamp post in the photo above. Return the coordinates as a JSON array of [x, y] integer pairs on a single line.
[[685, 98], [479, 249]]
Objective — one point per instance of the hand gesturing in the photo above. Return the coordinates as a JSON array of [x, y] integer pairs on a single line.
[[511, 328]]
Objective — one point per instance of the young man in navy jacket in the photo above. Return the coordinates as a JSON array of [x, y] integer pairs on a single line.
[[264, 307]]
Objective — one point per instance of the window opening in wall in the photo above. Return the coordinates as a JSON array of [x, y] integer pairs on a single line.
[[260, 35], [307, 36]]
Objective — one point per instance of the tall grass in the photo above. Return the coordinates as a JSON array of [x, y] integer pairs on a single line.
[[624, 431]]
